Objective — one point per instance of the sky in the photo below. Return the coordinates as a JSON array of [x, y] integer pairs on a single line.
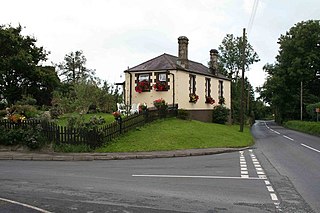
[[117, 34]]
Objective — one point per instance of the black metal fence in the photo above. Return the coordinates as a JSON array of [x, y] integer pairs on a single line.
[[93, 137]]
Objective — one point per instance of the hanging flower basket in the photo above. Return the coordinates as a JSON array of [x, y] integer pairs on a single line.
[[161, 86], [193, 98], [209, 100], [142, 86]]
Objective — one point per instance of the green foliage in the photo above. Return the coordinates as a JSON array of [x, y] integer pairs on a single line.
[[3, 113], [19, 70], [183, 114], [298, 61], [220, 114], [175, 134], [55, 112], [29, 136], [311, 110], [230, 56], [79, 97], [27, 100], [304, 126], [26, 110], [73, 69]]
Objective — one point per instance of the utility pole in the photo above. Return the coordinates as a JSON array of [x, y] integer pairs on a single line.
[[242, 80], [301, 99]]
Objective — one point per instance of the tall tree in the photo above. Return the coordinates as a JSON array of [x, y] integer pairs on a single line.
[[231, 53], [298, 62], [73, 68], [19, 58], [230, 63]]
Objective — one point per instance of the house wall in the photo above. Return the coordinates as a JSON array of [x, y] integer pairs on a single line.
[[199, 110]]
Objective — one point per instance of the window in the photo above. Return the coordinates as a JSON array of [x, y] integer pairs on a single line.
[[220, 89], [142, 82], [161, 82], [208, 87], [192, 84], [162, 77], [144, 77]]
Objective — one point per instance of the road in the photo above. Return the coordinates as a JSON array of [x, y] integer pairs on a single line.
[[294, 155], [273, 176]]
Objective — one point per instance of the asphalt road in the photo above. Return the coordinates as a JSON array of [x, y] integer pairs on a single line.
[[256, 180], [294, 155]]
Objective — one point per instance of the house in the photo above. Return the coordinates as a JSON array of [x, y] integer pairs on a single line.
[[178, 80]]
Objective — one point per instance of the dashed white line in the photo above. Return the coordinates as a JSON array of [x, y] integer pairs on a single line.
[[262, 175], [274, 197], [288, 138], [309, 147], [25, 205]]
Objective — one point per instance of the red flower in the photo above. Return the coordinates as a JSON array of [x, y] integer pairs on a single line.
[[161, 86], [142, 86], [209, 100]]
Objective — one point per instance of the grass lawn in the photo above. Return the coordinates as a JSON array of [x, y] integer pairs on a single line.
[[175, 134], [63, 119]]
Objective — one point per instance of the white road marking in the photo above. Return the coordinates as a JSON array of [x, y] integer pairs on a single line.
[[196, 176], [262, 175], [274, 197], [270, 188], [309, 147], [25, 205], [288, 138]]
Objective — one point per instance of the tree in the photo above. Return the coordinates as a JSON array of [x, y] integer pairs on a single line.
[[231, 53], [73, 69], [19, 58], [230, 63], [298, 62]]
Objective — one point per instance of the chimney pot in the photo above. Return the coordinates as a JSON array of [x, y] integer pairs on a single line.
[[183, 52], [214, 61]]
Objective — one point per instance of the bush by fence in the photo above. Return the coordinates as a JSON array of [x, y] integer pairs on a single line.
[[92, 136]]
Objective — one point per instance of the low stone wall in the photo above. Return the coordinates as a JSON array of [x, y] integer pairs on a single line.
[[201, 115]]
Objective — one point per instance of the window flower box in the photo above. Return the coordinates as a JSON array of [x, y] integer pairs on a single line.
[[142, 86], [161, 86], [193, 98], [209, 100]]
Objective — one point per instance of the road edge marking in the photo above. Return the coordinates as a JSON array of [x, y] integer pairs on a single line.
[[25, 205]]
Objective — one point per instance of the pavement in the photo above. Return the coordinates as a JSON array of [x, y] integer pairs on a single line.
[[40, 156]]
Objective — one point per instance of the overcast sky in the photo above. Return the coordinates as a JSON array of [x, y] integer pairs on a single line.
[[116, 34]]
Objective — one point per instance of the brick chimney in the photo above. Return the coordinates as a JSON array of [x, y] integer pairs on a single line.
[[183, 52], [214, 61]]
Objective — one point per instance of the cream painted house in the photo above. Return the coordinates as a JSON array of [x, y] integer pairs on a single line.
[[178, 80]]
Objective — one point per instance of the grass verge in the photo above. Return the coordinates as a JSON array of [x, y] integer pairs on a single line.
[[175, 134], [312, 128]]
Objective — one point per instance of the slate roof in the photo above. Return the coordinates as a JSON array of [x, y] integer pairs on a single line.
[[169, 62]]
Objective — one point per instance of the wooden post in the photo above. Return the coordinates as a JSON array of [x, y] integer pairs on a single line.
[[242, 80]]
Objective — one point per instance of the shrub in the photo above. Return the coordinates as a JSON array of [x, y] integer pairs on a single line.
[[29, 136], [92, 108], [55, 112], [27, 100], [220, 114], [311, 110], [183, 114], [26, 110], [3, 113]]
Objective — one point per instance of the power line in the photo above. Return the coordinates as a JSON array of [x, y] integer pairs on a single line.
[[253, 14]]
